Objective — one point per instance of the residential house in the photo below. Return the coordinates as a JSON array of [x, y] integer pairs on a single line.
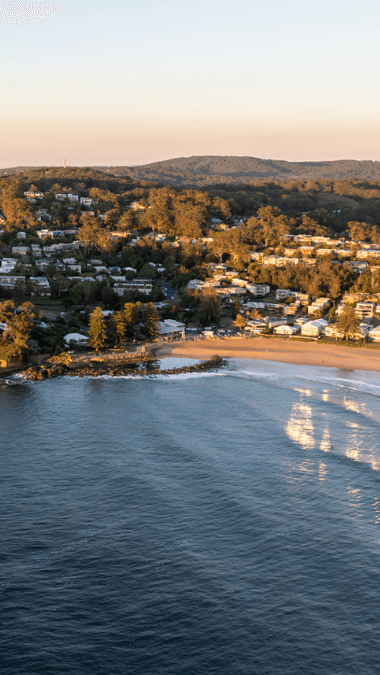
[[314, 328], [86, 201], [42, 264], [21, 235], [43, 214], [331, 331], [75, 338], [7, 265], [20, 250], [292, 309], [41, 285], [318, 305], [365, 310], [283, 293], [10, 281], [374, 334], [258, 289], [287, 330]]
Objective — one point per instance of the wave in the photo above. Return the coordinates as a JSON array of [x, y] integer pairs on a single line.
[[309, 374]]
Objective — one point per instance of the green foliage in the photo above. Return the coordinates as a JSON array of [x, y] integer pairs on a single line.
[[209, 310], [151, 321], [97, 331], [19, 325], [348, 322]]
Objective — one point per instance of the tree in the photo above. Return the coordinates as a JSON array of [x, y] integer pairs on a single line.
[[18, 327], [119, 326], [131, 317], [151, 321], [240, 322], [348, 322], [97, 331], [209, 311]]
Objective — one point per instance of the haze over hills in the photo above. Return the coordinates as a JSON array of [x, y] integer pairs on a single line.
[[214, 169], [217, 169]]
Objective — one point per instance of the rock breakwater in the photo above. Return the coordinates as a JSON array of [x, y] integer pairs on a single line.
[[140, 366]]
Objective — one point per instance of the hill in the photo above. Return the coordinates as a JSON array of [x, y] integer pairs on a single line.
[[213, 170], [209, 170]]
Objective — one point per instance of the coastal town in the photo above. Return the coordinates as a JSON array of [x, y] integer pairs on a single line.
[[218, 274]]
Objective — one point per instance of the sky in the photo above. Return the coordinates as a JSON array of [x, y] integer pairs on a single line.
[[122, 83]]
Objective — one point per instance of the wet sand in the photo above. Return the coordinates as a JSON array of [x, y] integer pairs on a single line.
[[272, 349]]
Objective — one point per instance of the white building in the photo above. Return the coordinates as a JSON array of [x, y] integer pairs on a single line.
[[20, 250], [86, 201], [172, 330], [283, 293], [258, 289], [7, 265], [287, 330], [314, 328], [75, 338]]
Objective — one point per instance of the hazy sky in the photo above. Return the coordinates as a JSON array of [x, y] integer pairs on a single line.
[[118, 82]]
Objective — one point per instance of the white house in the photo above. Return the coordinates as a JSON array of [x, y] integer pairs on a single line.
[[75, 338], [318, 305], [332, 331], [258, 289], [313, 328], [7, 265], [86, 201], [287, 330], [374, 334]]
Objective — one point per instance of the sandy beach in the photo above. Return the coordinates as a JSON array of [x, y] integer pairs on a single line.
[[285, 351]]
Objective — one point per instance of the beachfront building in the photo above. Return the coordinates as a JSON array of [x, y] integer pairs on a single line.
[[287, 330], [374, 334], [314, 328], [331, 331], [172, 330]]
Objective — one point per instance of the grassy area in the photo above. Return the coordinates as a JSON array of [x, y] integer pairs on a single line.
[[46, 302]]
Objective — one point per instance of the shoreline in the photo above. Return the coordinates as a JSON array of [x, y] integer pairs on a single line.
[[283, 351]]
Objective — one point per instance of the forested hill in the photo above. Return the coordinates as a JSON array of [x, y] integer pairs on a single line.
[[210, 170]]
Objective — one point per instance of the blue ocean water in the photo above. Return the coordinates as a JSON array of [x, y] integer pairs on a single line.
[[194, 524]]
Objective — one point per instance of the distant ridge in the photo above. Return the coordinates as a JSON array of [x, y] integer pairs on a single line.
[[215, 169], [218, 169]]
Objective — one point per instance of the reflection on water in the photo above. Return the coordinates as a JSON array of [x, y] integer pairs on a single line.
[[325, 442], [322, 471], [300, 426]]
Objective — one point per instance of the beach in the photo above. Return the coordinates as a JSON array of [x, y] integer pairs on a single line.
[[277, 349]]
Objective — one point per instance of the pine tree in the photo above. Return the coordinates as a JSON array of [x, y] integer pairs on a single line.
[[348, 322], [119, 326], [97, 331], [18, 327], [131, 317], [151, 320]]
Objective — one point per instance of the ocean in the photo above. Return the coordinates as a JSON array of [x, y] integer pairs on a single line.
[[218, 523]]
